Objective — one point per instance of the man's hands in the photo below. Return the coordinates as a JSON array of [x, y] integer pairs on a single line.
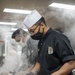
[[35, 70]]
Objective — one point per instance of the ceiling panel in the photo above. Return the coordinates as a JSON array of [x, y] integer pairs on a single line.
[[40, 5]]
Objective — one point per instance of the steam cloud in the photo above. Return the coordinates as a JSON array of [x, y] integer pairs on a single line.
[[20, 65]]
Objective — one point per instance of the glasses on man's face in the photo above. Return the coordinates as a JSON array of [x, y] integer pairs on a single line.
[[32, 30]]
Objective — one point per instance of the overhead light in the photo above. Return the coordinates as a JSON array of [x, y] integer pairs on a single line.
[[65, 6], [7, 23], [13, 29], [17, 11]]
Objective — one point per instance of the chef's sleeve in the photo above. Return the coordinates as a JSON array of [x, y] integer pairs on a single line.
[[64, 50]]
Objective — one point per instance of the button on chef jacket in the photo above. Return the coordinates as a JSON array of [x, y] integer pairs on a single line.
[[54, 51]]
